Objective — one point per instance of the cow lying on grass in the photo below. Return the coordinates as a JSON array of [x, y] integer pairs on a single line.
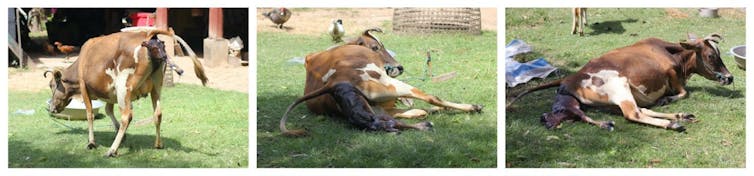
[[356, 81], [648, 73], [118, 68]]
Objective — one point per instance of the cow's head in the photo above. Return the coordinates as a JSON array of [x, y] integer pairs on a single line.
[[707, 58], [155, 48], [392, 67], [61, 93]]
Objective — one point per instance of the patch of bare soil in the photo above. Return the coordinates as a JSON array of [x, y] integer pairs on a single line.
[[314, 22]]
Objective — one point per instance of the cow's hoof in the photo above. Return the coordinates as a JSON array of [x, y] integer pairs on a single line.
[[689, 118], [477, 108], [677, 127], [158, 146], [91, 145], [110, 154], [609, 125], [426, 126]]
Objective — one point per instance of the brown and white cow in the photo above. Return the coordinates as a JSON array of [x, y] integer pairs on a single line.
[[356, 81], [651, 72], [118, 69]]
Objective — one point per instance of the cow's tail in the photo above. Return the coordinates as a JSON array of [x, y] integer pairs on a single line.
[[540, 87], [295, 133], [198, 68]]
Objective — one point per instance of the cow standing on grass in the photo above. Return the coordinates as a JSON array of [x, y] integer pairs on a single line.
[[648, 73], [356, 81], [118, 68]]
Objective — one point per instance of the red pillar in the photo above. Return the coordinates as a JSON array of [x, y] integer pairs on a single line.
[[215, 23], [161, 21]]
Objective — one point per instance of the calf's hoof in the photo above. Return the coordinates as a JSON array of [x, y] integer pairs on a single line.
[[609, 125], [689, 118], [158, 146], [549, 124], [111, 154], [91, 145], [425, 125], [677, 127], [477, 108]]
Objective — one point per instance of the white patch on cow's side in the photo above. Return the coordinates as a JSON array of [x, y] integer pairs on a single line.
[[401, 88], [328, 74], [119, 83], [614, 86], [136, 53]]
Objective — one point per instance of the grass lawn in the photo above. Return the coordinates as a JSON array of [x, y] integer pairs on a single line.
[[459, 139], [717, 141], [201, 128]]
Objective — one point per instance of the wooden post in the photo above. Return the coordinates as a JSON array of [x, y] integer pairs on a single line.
[[161, 21], [215, 23], [215, 46]]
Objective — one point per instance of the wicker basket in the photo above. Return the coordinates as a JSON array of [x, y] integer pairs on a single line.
[[422, 20]]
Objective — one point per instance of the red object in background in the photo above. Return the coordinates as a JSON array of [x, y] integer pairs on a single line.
[[142, 19]]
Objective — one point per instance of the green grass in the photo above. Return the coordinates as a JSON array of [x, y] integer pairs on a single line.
[[201, 128], [717, 141], [459, 139]]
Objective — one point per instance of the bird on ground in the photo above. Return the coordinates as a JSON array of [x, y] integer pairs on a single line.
[[66, 49], [278, 16], [336, 30]]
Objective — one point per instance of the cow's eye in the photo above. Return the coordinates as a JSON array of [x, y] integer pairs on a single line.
[[375, 48]]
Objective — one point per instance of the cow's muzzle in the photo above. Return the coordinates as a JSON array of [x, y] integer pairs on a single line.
[[725, 79], [394, 71]]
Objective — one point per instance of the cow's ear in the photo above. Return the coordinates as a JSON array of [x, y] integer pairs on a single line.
[[691, 36], [691, 45], [144, 44], [57, 75], [357, 41]]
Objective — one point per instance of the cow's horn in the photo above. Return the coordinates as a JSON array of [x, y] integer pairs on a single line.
[[376, 29], [714, 37]]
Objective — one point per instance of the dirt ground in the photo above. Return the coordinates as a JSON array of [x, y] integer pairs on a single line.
[[315, 22], [223, 78]]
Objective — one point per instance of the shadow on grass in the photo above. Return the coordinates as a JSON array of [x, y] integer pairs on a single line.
[[334, 143], [26, 155], [135, 142], [606, 27], [717, 90]]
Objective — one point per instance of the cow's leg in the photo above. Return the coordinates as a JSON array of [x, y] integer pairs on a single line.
[[616, 90], [125, 119], [673, 117], [621, 96], [582, 21], [389, 108], [678, 86], [111, 114], [89, 114], [157, 117], [404, 90], [407, 113], [575, 18]]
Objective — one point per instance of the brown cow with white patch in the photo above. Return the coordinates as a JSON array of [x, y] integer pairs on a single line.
[[118, 69], [357, 81], [648, 73]]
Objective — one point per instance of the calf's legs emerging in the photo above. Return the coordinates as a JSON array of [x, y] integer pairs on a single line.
[[355, 107], [566, 107]]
